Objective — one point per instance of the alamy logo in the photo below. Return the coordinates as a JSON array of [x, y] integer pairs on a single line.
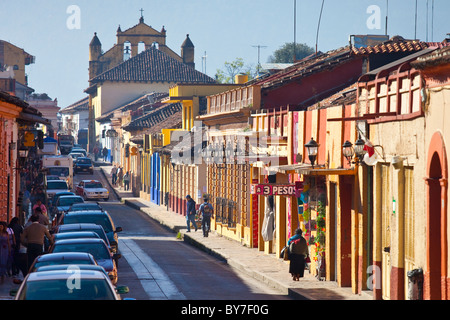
[[74, 20], [74, 280], [374, 20]]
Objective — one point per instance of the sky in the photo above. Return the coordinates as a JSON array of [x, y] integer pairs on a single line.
[[58, 32]]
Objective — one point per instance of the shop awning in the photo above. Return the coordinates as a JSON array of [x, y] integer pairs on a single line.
[[34, 118], [307, 169]]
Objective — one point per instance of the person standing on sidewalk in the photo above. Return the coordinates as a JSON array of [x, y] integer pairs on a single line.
[[120, 176], [298, 251], [5, 251], [206, 210], [105, 153], [126, 181], [114, 175], [33, 236], [190, 213]]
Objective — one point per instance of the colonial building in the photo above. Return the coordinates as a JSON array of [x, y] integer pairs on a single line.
[[124, 72], [75, 117]]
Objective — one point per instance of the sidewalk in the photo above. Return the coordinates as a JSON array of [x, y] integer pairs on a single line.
[[266, 268]]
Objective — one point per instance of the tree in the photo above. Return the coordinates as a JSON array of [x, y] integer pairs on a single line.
[[231, 69], [286, 53]]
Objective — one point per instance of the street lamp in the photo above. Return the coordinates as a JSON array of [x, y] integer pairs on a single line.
[[348, 151], [358, 150], [312, 147]]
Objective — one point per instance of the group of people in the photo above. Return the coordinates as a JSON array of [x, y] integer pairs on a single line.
[[205, 211], [119, 178], [298, 246], [100, 152], [20, 245]]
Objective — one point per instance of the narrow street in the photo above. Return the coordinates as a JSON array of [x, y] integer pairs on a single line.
[[156, 265]]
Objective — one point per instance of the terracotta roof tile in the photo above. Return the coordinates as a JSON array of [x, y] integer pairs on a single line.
[[153, 65]]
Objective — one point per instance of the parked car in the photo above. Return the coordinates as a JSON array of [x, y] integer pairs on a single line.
[[62, 258], [86, 206], [52, 209], [64, 203], [67, 267], [75, 235], [55, 186], [75, 156], [101, 218], [79, 150], [96, 247], [57, 285], [83, 164], [81, 227], [92, 189]]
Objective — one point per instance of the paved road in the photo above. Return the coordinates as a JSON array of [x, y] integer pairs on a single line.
[[156, 265]]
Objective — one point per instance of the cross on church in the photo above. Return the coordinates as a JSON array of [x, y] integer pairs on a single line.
[[141, 19]]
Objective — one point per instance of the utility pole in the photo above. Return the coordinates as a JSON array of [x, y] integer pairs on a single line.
[[295, 29], [259, 48], [387, 15]]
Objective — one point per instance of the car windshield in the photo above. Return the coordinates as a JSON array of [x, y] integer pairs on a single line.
[[58, 171], [57, 289], [101, 220], [97, 249], [83, 161], [93, 185], [54, 184], [64, 202]]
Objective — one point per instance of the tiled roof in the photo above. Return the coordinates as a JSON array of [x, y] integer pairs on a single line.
[[155, 117], [172, 122], [307, 66], [153, 65], [82, 104], [395, 44], [147, 101], [437, 57]]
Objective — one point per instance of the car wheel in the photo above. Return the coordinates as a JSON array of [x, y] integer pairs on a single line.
[[85, 197], [106, 199]]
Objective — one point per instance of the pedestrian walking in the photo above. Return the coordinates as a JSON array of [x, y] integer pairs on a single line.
[[5, 251], [105, 153], [17, 229], [206, 211], [40, 205], [114, 175], [96, 152], [33, 236], [120, 176], [126, 181], [298, 251], [190, 213]]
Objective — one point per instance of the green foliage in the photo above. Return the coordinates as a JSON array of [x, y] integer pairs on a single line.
[[286, 53], [233, 68]]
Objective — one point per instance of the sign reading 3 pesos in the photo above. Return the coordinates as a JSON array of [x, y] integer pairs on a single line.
[[273, 189]]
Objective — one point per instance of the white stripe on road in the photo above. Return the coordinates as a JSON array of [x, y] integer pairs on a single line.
[[154, 280]]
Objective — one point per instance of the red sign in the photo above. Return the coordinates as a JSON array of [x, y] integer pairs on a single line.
[[273, 189], [255, 217]]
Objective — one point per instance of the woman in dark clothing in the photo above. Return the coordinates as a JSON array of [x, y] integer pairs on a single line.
[[298, 251], [17, 229]]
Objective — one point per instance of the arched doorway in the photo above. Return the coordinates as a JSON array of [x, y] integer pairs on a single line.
[[435, 287]]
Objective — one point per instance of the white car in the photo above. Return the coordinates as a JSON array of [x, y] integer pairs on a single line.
[[92, 189], [55, 186]]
